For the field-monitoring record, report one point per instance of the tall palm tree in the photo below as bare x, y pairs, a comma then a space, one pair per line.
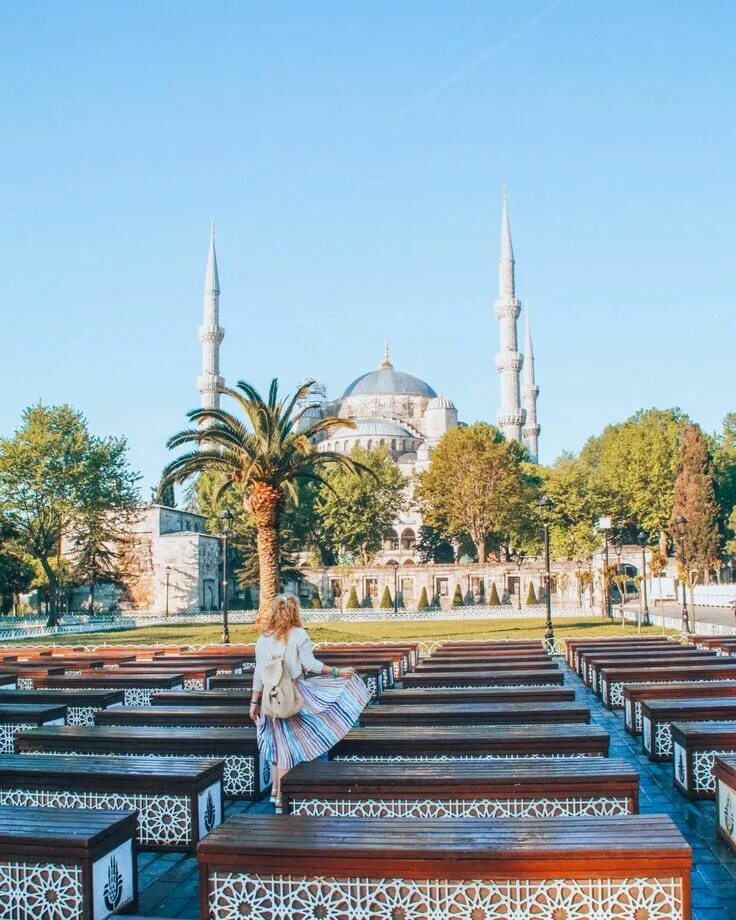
266, 458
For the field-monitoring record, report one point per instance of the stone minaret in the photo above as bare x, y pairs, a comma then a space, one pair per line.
211, 334
509, 360
530, 392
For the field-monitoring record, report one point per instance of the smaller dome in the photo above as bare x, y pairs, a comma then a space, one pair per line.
373, 427
441, 402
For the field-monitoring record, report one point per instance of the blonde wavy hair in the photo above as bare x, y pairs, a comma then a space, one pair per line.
285, 615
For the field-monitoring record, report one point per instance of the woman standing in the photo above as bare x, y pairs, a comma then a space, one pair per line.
332, 702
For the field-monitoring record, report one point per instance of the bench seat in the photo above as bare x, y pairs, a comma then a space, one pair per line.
658, 716
484, 678
7, 681
724, 771
179, 800
493, 664
194, 676
187, 716
464, 789
428, 695
75, 864
594, 665
634, 694
573, 647
246, 776
612, 680
372, 676
475, 714
478, 742
19, 717
80, 704
357, 868
27, 675
695, 745
137, 689
236, 698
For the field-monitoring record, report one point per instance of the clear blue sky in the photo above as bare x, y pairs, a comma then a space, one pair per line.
353, 156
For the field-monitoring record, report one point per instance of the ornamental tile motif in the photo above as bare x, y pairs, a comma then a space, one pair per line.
598, 806
194, 683
162, 819
703, 778
8, 731
40, 890
617, 689
81, 715
134, 697
233, 896
420, 758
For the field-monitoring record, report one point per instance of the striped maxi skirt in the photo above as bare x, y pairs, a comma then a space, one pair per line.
331, 708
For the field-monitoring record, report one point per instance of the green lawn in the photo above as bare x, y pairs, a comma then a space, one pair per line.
359, 632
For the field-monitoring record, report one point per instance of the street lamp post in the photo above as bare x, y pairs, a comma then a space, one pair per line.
579, 566
518, 556
604, 525
168, 575
681, 523
545, 505
643, 540
226, 521
395, 566
618, 548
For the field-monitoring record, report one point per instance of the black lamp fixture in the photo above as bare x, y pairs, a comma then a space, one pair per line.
395, 566
680, 523
545, 506
225, 523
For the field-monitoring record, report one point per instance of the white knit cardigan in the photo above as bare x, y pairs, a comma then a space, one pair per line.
297, 654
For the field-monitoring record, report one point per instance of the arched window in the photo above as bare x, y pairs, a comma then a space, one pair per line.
393, 444
408, 539
370, 444
392, 541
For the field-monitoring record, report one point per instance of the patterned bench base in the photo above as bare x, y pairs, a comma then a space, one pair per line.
661, 746
460, 808
232, 896
419, 758
8, 731
694, 775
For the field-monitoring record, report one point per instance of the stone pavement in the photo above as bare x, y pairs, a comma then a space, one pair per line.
169, 882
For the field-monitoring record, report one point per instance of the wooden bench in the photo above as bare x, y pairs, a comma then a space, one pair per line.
427, 696
634, 694
486, 678
503, 663
179, 800
724, 771
7, 681
355, 868
464, 789
246, 775
224, 663
80, 704
194, 676
27, 675
19, 717
66, 864
594, 664
368, 664
372, 676
480, 660
239, 698
584, 653
474, 714
612, 680
184, 716
658, 716
574, 646
72, 666
695, 745
477, 742
137, 689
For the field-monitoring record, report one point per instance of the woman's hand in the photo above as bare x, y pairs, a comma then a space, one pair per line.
347, 672
254, 712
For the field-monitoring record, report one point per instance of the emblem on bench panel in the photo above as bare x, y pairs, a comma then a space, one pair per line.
210, 809
112, 881
729, 812
113, 891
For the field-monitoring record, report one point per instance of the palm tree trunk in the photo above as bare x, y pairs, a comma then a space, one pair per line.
266, 503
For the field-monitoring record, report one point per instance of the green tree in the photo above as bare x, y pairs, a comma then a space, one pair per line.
568, 484
386, 602
248, 599
267, 454
695, 499
494, 600
16, 577
531, 594
316, 601
457, 597
56, 479
357, 513
474, 485
423, 602
352, 602
724, 467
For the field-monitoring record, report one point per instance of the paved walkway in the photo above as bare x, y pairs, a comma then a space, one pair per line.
169, 883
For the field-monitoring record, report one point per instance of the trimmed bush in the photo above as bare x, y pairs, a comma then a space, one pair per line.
423, 603
248, 599
494, 600
531, 594
386, 602
457, 597
316, 602
368, 602
352, 603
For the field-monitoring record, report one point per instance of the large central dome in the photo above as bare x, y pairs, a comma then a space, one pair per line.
388, 381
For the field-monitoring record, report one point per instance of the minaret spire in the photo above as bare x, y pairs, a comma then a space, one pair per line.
386, 364
530, 392
509, 360
211, 333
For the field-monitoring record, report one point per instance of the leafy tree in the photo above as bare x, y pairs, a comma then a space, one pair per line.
695, 499
16, 577
358, 513
316, 601
724, 466
473, 485
165, 495
248, 599
457, 597
568, 484
494, 600
386, 602
434, 545
266, 456
352, 602
531, 594
423, 602
57, 479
